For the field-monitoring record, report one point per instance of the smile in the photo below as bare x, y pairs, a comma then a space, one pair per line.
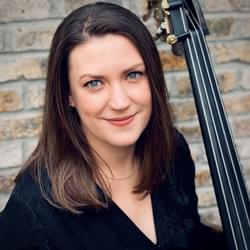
121, 121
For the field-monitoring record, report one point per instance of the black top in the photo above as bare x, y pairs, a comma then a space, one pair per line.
29, 222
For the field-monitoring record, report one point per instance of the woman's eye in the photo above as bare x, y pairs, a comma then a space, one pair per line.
135, 75
93, 84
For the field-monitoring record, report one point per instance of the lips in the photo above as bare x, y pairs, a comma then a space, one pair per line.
121, 121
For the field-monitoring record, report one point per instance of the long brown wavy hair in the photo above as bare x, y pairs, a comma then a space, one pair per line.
63, 151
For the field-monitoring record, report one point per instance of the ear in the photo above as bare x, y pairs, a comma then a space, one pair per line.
71, 102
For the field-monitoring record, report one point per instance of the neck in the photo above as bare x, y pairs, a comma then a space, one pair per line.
119, 169
115, 162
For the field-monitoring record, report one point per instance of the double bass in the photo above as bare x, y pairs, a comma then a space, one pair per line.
181, 23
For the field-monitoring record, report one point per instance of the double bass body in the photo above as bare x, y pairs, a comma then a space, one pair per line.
183, 22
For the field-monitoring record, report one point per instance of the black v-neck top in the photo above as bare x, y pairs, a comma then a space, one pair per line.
30, 222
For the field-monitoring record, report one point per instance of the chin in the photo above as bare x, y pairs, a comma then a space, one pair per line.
126, 142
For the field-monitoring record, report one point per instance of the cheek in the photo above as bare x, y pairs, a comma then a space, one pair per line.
147, 100
148, 96
89, 106
144, 95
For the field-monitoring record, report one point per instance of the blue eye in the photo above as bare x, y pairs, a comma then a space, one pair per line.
93, 84
135, 75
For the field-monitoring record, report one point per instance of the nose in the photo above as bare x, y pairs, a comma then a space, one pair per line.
119, 99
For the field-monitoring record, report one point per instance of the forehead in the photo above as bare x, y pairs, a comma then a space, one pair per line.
111, 49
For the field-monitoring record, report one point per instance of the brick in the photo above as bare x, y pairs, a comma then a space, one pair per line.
184, 110
206, 197
211, 217
10, 100
242, 127
198, 153
246, 167
245, 80
56, 8
23, 10
171, 62
139, 7
29, 146
241, 29
14, 128
22, 66
221, 27
226, 5
1, 41
11, 154
239, 103
74, 4
5, 39
6, 183
191, 131
34, 36
3, 200
248, 184
202, 177
231, 52
228, 27
183, 86
243, 147
171, 85
152, 27
227, 81
35, 96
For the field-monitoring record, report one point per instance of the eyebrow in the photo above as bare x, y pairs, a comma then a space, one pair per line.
132, 67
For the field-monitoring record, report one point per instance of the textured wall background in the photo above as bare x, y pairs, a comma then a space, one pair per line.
26, 29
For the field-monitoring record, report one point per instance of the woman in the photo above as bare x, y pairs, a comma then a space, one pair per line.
109, 171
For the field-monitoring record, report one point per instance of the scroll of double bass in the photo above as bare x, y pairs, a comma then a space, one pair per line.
182, 24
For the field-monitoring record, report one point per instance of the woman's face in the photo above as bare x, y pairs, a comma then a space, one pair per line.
110, 90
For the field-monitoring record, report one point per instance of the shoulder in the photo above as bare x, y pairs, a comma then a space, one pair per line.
179, 186
28, 190
182, 148
19, 219
183, 164
181, 173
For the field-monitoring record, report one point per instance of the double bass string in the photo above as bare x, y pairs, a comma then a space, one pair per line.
229, 130
198, 35
233, 167
217, 99
200, 94
226, 150
205, 115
